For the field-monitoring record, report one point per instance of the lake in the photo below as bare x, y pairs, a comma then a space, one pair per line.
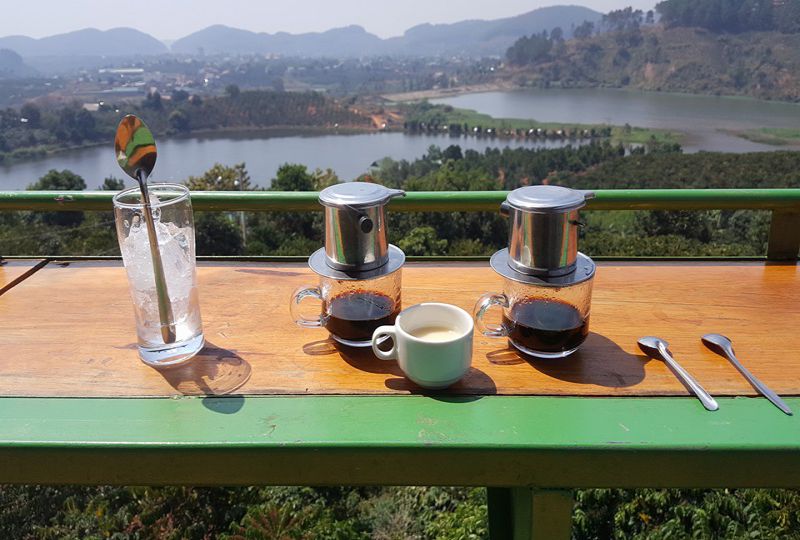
700, 117
348, 155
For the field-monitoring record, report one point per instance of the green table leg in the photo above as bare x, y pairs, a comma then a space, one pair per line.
501, 518
784, 236
529, 514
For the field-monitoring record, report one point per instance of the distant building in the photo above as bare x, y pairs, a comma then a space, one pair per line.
122, 71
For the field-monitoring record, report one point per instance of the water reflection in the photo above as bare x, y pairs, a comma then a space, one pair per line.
348, 155
703, 118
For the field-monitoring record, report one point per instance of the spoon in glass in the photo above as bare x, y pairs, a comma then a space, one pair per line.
723, 346
135, 149
657, 348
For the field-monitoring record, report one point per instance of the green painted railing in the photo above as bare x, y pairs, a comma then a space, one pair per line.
426, 201
784, 238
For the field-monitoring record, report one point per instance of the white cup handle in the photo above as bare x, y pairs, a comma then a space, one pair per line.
381, 332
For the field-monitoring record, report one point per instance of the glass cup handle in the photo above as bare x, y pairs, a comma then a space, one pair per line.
294, 307
381, 332
484, 303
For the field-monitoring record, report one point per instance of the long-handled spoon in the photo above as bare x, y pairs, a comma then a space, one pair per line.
723, 346
136, 153
658, 348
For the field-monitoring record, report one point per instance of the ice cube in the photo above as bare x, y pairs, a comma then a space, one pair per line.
177, 257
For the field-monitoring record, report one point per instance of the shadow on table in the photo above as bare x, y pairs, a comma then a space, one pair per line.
213, 372
360, 358
363, 358
473, 386
599, 361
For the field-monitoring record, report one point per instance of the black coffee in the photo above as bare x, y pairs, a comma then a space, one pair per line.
355, 315
546, 325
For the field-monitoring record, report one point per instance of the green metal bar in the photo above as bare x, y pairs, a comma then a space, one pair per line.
523, 513
541, 514
501, 515
424, 201
503, 441
784, 236
551, 511
409, 258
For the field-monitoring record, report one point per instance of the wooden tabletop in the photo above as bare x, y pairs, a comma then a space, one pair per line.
68, 330
13, 272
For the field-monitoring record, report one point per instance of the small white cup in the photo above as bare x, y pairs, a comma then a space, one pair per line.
431, 363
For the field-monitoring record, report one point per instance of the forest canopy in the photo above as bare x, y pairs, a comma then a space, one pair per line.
733, 16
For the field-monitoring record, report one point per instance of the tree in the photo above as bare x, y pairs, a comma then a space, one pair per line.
529, 50
452, 152
730, 15
584, 30
33, 114
322, 179
179, 96
217, 234
292, 178
112, 183
153, 101
179, 121
557, 34
60, 181
232, 91
621, 20
65, 180
84, 125
222, 178
423, 241
787, 17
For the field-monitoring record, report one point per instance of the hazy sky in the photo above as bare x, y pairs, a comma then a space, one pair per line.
170, 19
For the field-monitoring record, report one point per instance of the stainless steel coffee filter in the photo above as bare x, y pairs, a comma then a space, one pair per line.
543, 234
355, 225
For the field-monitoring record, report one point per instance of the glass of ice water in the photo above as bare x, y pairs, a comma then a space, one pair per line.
172, 214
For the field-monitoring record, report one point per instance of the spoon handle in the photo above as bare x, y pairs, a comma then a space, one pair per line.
761, 387
164, 305
705, 398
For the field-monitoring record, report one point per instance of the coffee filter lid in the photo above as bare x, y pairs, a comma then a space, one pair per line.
357, 195
546, 199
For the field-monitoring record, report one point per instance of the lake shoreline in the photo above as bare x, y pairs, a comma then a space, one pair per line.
440, 93
204, 134
350, 156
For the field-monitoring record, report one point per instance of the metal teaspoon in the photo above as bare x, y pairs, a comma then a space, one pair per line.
723, 346
658, 348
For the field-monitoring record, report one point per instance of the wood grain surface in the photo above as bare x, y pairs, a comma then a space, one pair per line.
68, 330
13, 272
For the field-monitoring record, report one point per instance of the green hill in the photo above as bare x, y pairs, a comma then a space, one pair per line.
764, 65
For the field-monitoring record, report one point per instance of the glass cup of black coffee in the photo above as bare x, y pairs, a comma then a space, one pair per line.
351, 310
541, 321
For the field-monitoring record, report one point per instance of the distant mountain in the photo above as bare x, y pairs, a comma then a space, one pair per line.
488, 37
12, 66
467, 37
347, 41
87, 42
474, 37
